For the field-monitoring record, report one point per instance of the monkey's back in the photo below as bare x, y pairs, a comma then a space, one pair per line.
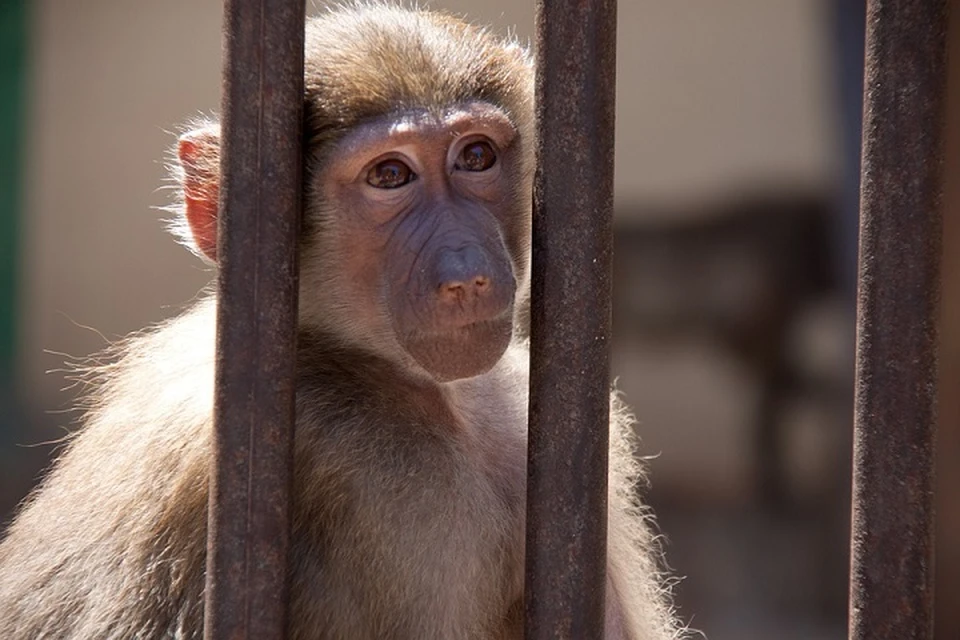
112, 543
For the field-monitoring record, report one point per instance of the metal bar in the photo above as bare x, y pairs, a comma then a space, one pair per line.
570, 320
891, 577
249, 519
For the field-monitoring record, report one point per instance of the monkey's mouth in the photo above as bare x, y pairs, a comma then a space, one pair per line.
461, 352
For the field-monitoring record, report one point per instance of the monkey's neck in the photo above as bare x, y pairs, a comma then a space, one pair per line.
354, 375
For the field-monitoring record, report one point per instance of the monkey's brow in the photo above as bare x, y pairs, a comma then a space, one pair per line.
390, 132
398, 125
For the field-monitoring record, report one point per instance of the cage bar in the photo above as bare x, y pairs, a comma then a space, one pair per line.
570, 320
249, 518
891, 576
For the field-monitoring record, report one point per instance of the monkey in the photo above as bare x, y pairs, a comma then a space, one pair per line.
411, 402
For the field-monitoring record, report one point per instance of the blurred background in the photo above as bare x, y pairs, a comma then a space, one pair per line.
736, 205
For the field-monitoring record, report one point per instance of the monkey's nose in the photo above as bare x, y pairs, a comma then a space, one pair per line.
463, 275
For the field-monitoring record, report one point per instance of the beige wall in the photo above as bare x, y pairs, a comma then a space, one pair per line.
713, 96
110, 80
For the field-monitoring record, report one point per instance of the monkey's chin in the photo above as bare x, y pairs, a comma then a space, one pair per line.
463, 352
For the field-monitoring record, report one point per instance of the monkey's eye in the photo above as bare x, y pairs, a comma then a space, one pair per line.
477, 156
390, 174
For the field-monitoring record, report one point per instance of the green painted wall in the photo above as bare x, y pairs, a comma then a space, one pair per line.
13, 58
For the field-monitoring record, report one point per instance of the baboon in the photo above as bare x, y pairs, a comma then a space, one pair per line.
410, 445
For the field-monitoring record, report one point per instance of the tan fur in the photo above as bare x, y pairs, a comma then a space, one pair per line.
409, 494
399, 60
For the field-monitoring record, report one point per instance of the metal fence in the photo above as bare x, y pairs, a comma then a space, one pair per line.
891, 571
249, 521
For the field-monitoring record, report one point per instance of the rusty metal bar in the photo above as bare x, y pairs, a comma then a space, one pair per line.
249, 519
570, 320
891, 576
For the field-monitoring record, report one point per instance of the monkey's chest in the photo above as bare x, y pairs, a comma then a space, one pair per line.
427, 543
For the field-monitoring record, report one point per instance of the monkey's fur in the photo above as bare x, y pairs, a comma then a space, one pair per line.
409, 482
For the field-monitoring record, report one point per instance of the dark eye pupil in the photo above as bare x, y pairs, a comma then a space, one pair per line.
389, 174
478, 156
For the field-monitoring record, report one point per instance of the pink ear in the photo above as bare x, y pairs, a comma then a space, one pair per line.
199, 154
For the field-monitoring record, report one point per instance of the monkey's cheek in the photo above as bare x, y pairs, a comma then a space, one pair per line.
462, 353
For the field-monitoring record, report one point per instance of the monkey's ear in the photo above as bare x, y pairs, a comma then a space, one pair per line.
199, 155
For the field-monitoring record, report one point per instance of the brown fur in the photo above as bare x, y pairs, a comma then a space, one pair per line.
409, 493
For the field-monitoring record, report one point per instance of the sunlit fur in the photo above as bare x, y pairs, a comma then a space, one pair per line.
412, 494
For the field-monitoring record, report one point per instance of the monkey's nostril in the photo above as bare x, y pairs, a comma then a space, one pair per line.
452, 290
458, 291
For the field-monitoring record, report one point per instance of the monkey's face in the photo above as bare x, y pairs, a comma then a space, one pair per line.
419, 134
416, 212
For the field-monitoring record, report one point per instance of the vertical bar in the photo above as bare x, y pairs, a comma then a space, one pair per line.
570, 320
249, 519
891, 579
947, 587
